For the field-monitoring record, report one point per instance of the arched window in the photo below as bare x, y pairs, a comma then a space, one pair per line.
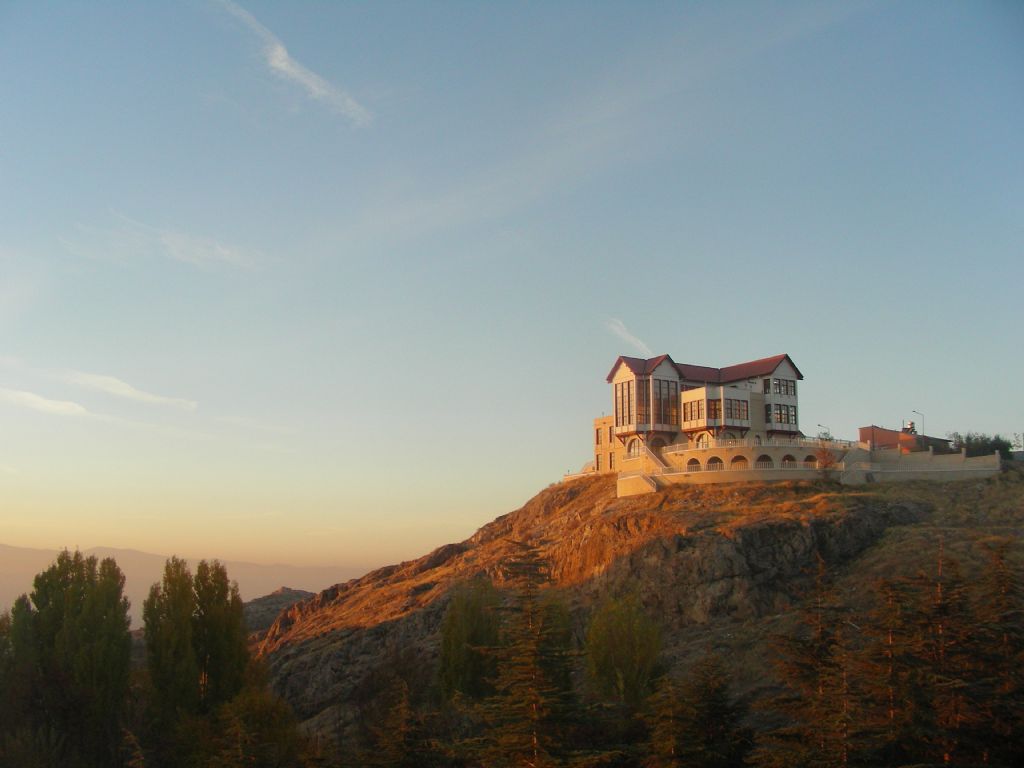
788, 462
693, 465
715, 464
739, 462
703, 440
810, 462
633, 447
764, 461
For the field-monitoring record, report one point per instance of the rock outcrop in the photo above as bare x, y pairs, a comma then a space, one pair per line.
693, 554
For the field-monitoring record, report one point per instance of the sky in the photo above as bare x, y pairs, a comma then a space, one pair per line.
337, 283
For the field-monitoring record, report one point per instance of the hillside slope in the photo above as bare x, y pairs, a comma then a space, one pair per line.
720, 566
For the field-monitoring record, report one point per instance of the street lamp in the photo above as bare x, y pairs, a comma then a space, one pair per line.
922, 421
827, 433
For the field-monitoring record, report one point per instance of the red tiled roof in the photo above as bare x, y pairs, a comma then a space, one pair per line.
763, 367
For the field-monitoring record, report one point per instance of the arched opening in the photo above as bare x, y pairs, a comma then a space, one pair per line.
693, 465
757, 439
788, 462
764, 461
739, 462
657, 444
633, 447
715, 464
810, 462
703, 440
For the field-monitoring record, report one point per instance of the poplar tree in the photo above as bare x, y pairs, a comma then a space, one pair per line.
468, 632
218, 635
169, 614
195, 638
67, 661
622, 648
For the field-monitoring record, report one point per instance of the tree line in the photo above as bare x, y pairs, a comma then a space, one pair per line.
929, 674
70, 695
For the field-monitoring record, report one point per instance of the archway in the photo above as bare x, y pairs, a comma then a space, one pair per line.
739, 462
788, 462
693, 465
633, 447
764, 461
810, 462
715, 464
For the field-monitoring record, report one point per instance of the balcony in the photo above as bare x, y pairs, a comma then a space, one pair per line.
635, 429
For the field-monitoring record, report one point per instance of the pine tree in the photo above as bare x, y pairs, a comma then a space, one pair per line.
664, 718
820, 702
943, 690
519, 731
711, 734
889, 670
1000, 637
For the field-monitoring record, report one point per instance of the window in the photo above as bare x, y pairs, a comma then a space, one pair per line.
597, 436
783, 414
597, 462
767, 413
666, 402
736, 409
624, 403
703, 441
633, 447
714, 409
767, 386
643, 402
693, 410
610, 434
611, 461
782, 386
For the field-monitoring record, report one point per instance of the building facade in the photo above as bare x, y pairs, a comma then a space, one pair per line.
674, 423
658, 403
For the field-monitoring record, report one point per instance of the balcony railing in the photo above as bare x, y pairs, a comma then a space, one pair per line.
774, 442
800, 467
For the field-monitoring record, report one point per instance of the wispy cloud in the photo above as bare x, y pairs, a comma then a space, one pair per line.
283, 65
619, 328
42, 404
114, 386
129, 239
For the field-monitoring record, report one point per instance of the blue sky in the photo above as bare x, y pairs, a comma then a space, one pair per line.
340, 282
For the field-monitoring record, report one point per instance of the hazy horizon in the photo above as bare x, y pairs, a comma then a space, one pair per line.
20, 565
331, 282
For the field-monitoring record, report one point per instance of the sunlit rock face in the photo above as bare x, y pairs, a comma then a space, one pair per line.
694, 555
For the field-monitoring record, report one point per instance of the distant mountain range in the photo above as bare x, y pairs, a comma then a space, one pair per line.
19, 566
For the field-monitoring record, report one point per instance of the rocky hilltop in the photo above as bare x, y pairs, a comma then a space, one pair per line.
719, 565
